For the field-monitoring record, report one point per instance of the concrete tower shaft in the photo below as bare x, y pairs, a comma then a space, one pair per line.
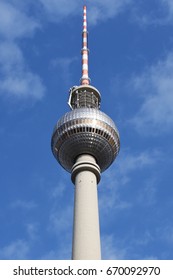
86, 230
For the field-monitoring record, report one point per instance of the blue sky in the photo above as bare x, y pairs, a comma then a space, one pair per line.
131, 64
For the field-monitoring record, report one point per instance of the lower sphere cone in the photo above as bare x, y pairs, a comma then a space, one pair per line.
85, 131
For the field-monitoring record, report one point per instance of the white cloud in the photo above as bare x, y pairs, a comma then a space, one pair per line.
98, 10
10, 57
16, 250
156, 86
128, 163
165, 233
159, 13
64, 64
169, 235
58, 191
144, 239
16, 79
148, 196
60, 220
110, 250
56, 10
168, 4
110, 194
63, 252
28, 205
60, 224
120, 176
14, 23
32, 231
23, 85
131, 162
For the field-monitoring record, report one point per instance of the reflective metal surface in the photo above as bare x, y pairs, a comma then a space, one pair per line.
85, 131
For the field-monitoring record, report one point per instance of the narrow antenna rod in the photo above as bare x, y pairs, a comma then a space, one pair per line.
85, 80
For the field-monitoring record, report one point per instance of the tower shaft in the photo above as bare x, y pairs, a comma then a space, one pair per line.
86, 230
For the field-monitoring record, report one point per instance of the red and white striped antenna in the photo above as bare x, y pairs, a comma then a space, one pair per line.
85, 80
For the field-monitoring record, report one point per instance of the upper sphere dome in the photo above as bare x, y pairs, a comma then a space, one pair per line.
85, 131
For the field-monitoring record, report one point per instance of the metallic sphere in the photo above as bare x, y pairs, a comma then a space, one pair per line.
85, 131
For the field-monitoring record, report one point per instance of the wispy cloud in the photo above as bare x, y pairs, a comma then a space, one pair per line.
121, 174
110, 249
101, 10
59, 220
27, 205
63, 252
165, 233
60, 225
58, 191
64, 65
32, 230
17, 250
98, 10
17, 79
155, 235
15, 23
168, 5
155, 85
144, 239
157, 13
57, 10
22, 248
130, 162
148, 196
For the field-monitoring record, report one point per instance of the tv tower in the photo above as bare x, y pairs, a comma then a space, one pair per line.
85, 142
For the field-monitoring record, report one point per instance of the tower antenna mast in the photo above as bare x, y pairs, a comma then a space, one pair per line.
85, 80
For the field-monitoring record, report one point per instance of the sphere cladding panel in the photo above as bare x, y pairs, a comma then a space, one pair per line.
85, 131
86, 113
